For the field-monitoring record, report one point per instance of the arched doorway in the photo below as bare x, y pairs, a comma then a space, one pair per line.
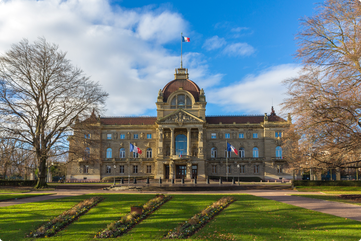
181, 145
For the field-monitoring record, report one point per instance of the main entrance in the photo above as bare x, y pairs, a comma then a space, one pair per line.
181, 171
194, 171
181, 145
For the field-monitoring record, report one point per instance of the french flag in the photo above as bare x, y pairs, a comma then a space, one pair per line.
185, 39
134, 148
231, 148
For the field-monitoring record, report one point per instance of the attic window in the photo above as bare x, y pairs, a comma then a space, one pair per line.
181, 101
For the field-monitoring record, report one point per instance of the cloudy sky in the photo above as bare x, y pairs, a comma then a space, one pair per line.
240, 51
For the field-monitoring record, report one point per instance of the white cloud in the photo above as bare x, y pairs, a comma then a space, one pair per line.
238, 49
214, 43
254, 94
120, 48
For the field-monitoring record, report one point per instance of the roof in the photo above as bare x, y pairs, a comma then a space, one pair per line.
128, 120
240, 119
186, 84
209, 120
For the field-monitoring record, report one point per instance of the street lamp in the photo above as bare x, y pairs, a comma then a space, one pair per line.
239, 171
115, 167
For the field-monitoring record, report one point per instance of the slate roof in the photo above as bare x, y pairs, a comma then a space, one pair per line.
186, 84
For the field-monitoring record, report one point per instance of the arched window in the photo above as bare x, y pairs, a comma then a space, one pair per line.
149, 153
241, 153
122, 153
213, 152
279, 152
87, 152
109, 153
255, 152
181, 101
181, 145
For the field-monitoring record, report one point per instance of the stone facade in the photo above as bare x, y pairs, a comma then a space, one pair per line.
182, 142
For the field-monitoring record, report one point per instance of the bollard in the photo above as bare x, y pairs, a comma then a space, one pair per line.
147, 180
207, 181
233, 181
172, 180
195, 180
160, 180
182, 180
135, 181
220, 180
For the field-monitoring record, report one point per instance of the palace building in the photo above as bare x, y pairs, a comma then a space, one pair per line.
182, 142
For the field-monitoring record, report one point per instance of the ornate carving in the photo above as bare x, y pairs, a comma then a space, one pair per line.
201, 150
141, 135
248, 135
180, 118
160, 150
278, 142
160, 133
234, 135
200, 135
128, 135
121, 144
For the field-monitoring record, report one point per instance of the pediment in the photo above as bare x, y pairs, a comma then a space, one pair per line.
180, 117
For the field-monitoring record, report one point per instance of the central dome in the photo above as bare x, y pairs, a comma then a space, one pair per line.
181, 81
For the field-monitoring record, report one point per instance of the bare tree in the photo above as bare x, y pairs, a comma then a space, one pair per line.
41, 96
325, 100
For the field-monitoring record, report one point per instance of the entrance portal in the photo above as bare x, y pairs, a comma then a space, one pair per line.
181, 171
194, 171
166, 171
181, 145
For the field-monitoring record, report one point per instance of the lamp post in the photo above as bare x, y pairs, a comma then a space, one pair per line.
239, 171
115, 167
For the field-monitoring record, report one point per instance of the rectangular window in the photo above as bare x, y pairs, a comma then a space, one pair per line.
278, 134
227, 136
242, 169
109, 136
135, 154
255, 135
214, 168
122, 136
135, 169
227, 153
135, 136
229, 169
214, 135
109, 169
256, 169
149, 136
279, 169
121, 169
85, 169
149, 169
87, 136
240, 135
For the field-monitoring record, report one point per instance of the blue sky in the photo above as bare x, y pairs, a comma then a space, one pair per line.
240, 51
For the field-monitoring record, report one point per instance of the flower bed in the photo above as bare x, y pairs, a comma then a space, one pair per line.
64, 219
190, 226
123, 225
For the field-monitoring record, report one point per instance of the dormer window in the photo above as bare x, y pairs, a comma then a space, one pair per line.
181, 101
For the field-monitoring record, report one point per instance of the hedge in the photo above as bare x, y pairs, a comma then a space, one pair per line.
28, 183
327, 183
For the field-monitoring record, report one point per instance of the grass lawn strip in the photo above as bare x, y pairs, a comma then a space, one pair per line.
327, 189
56, 224
8, 197
198, 221
128, 221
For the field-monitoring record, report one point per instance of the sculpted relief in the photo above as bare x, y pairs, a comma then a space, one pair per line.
180, 118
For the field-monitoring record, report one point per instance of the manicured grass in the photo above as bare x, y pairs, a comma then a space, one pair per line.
248, 218
327, 189
334, 198
13, 190
17, 196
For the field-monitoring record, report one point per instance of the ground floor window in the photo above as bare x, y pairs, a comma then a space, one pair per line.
229, 169
256, 169
109, 169
121, 169
135, 169
214, 168
242, 169
149, 169
85, 169
279, 168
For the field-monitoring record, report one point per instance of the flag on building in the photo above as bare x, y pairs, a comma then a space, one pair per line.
180, 154
134, 148
231, 148
185, 39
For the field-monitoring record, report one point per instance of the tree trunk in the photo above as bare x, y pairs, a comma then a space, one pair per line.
42, 174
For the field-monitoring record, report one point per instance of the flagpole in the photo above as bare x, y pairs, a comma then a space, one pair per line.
181, 50
226, 161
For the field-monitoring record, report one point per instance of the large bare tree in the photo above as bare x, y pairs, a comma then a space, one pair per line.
325, 100
41, 96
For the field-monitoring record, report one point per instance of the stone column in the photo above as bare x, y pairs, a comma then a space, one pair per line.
160, 142
189, 170
171, 142
171, 169
188, 141
200, 143
338, 174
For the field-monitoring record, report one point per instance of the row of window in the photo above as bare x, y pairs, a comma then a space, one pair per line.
241, 135
242, 153
121, 169
122, 136
109, 153
242, 169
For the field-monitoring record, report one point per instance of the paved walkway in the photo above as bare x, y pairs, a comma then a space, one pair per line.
334, 208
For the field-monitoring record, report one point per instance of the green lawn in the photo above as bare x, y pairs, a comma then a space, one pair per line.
249, 218
23, 189
327, 189
13, 196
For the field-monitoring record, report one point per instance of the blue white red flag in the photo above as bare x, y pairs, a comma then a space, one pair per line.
185, 39
134, 148
180, 154
231, 148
